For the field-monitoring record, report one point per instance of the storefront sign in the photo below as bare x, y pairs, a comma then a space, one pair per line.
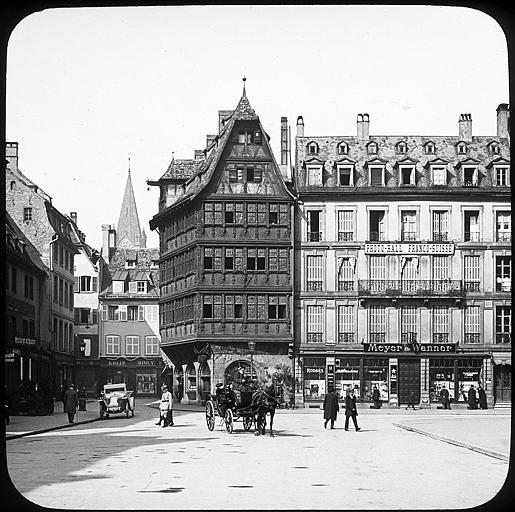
145, 362
117, 362
9, 358
409, 248
314, 373
24, 341
393, 379
415, 348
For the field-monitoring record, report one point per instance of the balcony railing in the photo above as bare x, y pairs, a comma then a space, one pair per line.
440, 337
314, 236
472, 236
314, 337
472, 337
314, 286
377, 236
471, 286
408, 337
408, 236
345, 337
503, 237
377, 337
410, 287
345, 236
503, 337
345, 286
470, 184
440, 237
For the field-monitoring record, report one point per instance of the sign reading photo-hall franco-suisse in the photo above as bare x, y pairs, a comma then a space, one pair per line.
412, 348
414, 248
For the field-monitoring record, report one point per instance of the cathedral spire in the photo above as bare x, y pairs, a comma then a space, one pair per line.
129, 231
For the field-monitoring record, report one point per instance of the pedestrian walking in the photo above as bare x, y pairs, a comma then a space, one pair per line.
350, 409
411, 400
82, 398
376, 398
70, 402
482, 397
472, 400
331, 407
165, 407
444, 398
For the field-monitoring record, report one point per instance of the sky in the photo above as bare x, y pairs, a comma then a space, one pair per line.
90, 88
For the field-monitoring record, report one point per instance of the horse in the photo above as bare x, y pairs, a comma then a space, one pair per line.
264, 402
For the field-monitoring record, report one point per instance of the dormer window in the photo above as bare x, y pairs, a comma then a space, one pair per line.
254, 174
27, 214
493, 147
371, 148
429, 148
154, 264
314, 175
345, 176
130, 264
138, 287
312, 148
401, 148
343, 148
256, 137
461, 148
244, 137
407, 175
118, 286
438, 175
376, 176
502, 176
470, 176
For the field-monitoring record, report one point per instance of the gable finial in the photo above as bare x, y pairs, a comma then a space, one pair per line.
244, 80
129, 158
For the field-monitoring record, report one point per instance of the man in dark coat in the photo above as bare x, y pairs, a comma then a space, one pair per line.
70, 402
350, 409
331, 407
472, 400
482, 397
444, 398
376, 398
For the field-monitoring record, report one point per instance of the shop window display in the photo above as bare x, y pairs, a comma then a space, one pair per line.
146, 383
376, 374
469, 373
347, 376
314, 378
441, 373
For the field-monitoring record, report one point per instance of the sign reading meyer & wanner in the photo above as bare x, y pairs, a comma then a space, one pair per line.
409, 347
408, 248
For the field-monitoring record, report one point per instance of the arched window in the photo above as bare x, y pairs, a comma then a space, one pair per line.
204, 373
312, 148
236, 372
191, 383
493, 147
461, 148
372, 148
343, 148
401, 148
13, 185
429, 148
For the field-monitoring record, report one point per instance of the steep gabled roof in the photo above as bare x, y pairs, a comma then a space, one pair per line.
182, 169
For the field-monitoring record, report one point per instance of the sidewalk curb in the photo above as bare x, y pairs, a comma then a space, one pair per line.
49, 429
483, 451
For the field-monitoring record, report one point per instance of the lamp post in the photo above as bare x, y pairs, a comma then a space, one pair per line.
252, 346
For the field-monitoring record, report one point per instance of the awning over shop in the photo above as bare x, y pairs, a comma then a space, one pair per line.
501, 358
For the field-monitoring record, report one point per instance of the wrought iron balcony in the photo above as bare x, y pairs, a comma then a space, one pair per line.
472, 337
314, 337
440, 337
314, 286
472, 236
377, 337
345, 337
470, 184
345, 286
503, 237
314, 236
421, 288
440, 236
471, 286
503, 337
408, 236
345, 236
408, 337
377, 236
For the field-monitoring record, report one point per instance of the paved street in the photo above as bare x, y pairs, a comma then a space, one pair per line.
131, 463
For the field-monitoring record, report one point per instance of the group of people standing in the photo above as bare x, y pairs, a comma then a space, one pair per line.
473, 400
331, 408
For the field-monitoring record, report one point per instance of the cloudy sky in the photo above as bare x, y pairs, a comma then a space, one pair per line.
87, 87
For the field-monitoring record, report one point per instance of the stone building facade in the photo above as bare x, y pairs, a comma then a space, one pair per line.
403, 263
226, 282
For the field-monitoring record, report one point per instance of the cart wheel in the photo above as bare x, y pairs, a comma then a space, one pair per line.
247, 423
228, 421
210, 415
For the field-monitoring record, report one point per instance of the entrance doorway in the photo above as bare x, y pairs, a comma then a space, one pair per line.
502, 378
409, 380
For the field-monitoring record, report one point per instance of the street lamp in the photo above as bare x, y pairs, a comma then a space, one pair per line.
252, 346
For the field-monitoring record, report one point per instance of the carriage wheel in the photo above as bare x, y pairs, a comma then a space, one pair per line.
247, 423
228, 421
210, 415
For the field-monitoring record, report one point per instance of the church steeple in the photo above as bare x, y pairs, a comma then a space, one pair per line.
129, 233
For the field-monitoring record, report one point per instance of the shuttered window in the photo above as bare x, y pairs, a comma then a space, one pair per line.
472, 324
314, 273
408, 225
440, 318
315, 324
440, 267
440, 226
409, 322
471, 273
345, 324
377, 323
346, 273
345, 225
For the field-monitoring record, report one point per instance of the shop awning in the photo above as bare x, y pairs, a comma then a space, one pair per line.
501, 358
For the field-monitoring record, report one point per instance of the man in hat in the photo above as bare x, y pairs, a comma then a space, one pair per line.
70, 402
444, 397
165, 407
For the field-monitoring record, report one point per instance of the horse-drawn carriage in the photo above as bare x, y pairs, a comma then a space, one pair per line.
249, 406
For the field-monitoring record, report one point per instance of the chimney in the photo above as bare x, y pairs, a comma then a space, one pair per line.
73, 216
363, 127
503, 121
284, 140
359, 123
11, 154
199, 154
209, 140
223, 115
108, 241
465, 127
300, 126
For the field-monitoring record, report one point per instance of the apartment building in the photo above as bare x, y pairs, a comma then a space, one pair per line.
403, 264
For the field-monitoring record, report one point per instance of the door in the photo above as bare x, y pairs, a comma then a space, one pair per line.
409, 380
502, 374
